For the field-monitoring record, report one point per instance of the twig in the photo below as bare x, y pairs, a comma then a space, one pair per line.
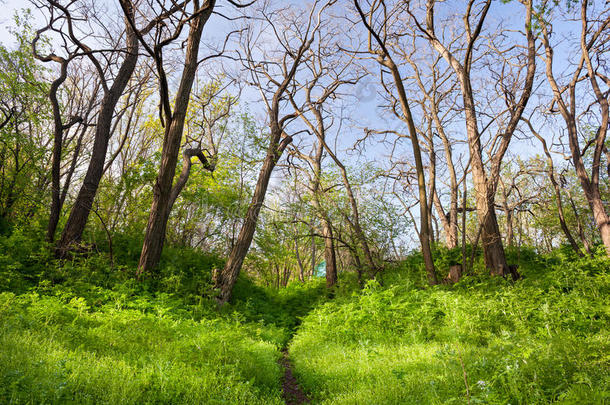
465, 375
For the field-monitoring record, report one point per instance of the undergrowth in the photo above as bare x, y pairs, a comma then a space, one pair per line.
543, 339
85, 331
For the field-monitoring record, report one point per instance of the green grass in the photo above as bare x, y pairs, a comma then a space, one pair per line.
87, 332
55, 350
543, 340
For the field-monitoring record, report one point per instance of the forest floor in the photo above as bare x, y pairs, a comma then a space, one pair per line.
86, 332
291, 391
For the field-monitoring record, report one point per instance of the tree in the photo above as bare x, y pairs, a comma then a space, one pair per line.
274, 79
550, 169
60, 128
164, 195
23, 121
486, 181
567, 99
81, 207
432, 84
317, 190
322, 81
378, 46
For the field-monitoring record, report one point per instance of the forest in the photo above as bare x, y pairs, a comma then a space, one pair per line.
288, 202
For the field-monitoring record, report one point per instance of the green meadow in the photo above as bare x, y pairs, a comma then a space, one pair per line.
88, 332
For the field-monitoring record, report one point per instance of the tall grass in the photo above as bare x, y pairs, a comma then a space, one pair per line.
86, 332
544, 339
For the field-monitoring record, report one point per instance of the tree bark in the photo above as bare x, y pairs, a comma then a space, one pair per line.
581, 233
79, 214
491, 240
313, 254
163, 197
58, 132
57, 195
464, 196
299, 260
452, 236
228, 276
329, 254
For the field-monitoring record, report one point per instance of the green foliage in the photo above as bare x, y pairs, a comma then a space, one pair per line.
24, 259
24, 114
541, 340
284, 308
59, 349
88, 332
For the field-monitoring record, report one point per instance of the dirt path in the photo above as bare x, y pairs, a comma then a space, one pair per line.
290, 388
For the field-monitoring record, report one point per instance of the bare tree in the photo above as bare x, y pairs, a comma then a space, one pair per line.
77, 113
317, 191
378, 45
515, 195
550, 169
438, 111
485, 181
274, 79
587, 72
81, 208
322, 80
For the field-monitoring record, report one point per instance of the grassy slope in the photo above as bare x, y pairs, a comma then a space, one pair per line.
59, 350
88, 333
544, 339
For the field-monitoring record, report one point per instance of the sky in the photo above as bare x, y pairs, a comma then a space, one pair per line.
8, 7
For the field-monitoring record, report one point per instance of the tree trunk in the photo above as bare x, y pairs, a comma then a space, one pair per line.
385, 59
329, 255
455, 273
585, 242
464, 196
602, 220
558, 200
327, 233
299, 260
495, 258
562, 221
452, 231
604, 230
79, 214
448, 220
227, 278
58, 132
510, 235
313, 254
567, 108
424, 233
162, 191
